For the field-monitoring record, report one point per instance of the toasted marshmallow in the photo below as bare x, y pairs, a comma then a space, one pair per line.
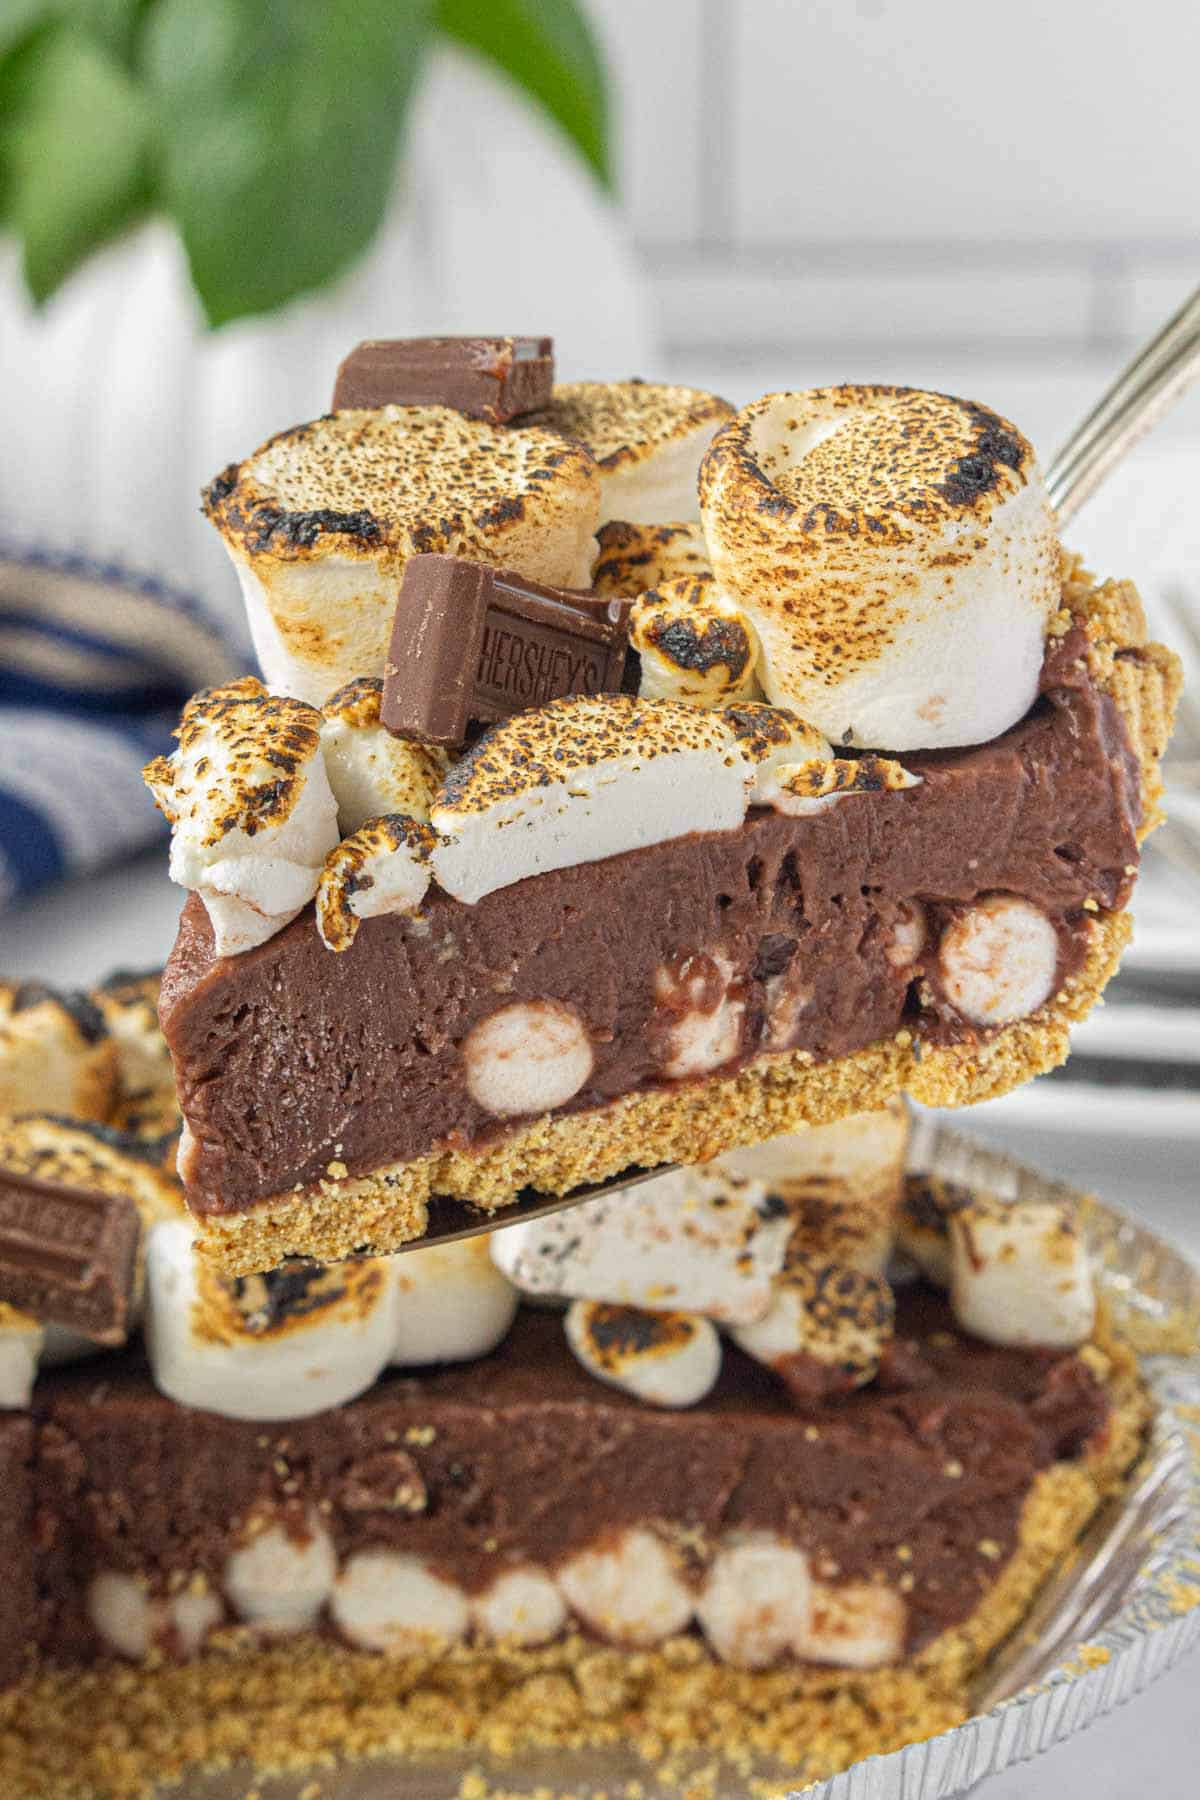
695, 645
998, 960
827, 1328
21, 1339
452, 1304
1020, 1274
521, 1607
82, 1154
898, 555
699, 1240
699, 1011
636, 557
321, 520
578, 780
665, 1358
128, 1004
647, 440
279, 1346
841, 1185
280, 1577
809, 787
756, 1601
56, 1054
383, 868
854, 1626
251, 811
628, 1589
922, 1224
387, 1600
371, 772
527, 1058
770, 738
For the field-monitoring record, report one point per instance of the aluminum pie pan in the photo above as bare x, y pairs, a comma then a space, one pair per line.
1124, 1612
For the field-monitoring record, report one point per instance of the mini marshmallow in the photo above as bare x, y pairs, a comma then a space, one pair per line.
998, 960
857, 1625
634, 558
1020, 1274
371, 772
581, 779
251, 811
898, 555
123, 1613
56, 1054
922, 1224
756, 1600
699, 1013
647, 440
21, 1339
665, 1358
387, 1600
279, 1580
452, 1304
809, 787
770, 738
191, 1614
527, 1058
628, 1589
827, 1328
383, 868
521, 1607
695, 645
699, 1240
321, 520
280, 1346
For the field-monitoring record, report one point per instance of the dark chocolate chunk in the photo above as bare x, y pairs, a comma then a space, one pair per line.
68, 1255
493, 378
471, 645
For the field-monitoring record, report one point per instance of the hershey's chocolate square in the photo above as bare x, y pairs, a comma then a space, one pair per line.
68, 1255
492, 378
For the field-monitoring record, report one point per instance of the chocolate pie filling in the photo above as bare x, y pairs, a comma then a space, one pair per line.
522, 1458
289, 1056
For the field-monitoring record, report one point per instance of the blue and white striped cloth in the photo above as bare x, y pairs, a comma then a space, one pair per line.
95, 664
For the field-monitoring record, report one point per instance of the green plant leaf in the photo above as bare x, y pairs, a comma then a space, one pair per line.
74, 152
18, 18
548, 48
280, 121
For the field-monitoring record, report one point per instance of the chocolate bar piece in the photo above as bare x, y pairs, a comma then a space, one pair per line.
68, 1255
473, 644
493, 378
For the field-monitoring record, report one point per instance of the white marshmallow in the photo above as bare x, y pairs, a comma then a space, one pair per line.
633, 558
280, 1581
664, 1358
647, 440
21, 1340
770, 738
383, 868
799, 789
922, 1224
699, 1015
855, 1626
521, 1607
998, 961
371, 772
320, 522
698, 1240
124, 1614
1020, 1274
387, 1600
829, 1316
251, 811
452, 1304
235, 1347
527, 1058
898, 555
191, 1615
628, 1589
756, 1601
695, 644
578, 780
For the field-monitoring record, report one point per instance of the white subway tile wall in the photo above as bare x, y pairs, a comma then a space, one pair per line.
816, 172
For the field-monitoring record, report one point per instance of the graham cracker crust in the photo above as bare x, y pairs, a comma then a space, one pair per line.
775, 1093
113, 1732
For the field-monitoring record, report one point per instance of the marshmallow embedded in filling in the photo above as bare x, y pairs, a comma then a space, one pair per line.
666, 1358
628, 1589
387, 1600
281, 1576
647, 440
898, 555
756, 1600
998, 960
522, 1607
527, 1058
251, 811
578, 780
320, 521
695, 644
857, 1625
1020, 1274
